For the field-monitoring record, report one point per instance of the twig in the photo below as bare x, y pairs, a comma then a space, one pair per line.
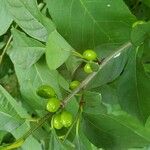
92, 75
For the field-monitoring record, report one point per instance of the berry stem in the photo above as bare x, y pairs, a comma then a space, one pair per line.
75, 53
75, 121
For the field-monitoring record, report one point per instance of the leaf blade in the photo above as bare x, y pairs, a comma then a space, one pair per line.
57, 50
27, 15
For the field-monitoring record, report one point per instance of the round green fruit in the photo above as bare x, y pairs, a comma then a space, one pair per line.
74, 84
46, 91
87, 68
53, 104
66, 119
57, 121
89, 55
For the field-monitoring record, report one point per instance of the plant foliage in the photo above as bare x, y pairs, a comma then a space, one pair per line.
42, 42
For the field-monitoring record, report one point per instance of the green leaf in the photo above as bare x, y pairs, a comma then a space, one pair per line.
21, 130
133, 87
26, 51
109, 93
57, 50
2, 44
30, 79
24, 54
25, 57
5, 65
27, 15
5, 18
2, 135
92, 102
147, 2
72, 64
81, 142
115, 130
9, 122
113, 68
86, 24
147, 69
31, 143
11, 113
63, 83
140, 32
146, 51
55, 143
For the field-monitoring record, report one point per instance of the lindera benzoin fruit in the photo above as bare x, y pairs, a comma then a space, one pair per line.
63, 119
66, 119
87, 68
46, 91
57, 124
53, 104
89, 55
74, 84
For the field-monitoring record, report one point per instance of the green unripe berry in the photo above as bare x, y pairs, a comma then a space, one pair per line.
66, 119
89, 55
53, 104
74, 84
46, 91
87, 68
57, 121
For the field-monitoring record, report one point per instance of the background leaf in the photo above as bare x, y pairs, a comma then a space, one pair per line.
86, 24
5, 66
116, 130
30, 79
147, 2
146, 51
113, 68
55, 143
133, 87
5, 18
81, 142
140, 33
29, 73
32, 143
26, 51
27, 15
92, 102
57, 50
11, 113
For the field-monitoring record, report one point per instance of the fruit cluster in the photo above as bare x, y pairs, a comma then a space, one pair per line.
63, 118
89, 55
59, 119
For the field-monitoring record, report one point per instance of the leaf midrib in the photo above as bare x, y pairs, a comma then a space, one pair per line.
94, 21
